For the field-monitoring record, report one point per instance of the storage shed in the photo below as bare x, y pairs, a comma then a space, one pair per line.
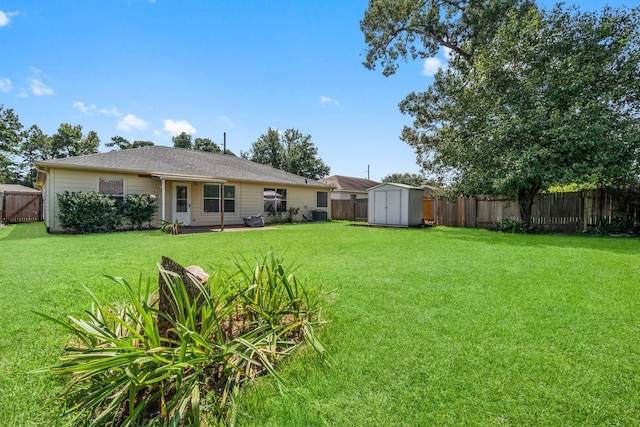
395, 205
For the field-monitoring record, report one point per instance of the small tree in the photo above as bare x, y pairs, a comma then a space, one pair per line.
290, 151
183, 141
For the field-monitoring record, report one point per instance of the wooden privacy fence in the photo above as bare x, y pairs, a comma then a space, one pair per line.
350, 210
560, 212
19, 207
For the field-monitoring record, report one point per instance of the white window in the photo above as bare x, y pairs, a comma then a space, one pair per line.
275, 199
211, 199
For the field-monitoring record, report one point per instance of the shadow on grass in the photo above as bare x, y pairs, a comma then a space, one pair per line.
620, 245
31, 230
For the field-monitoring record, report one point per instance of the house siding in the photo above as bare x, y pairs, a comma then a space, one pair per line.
346, 195
250, 201
73, 181
249, 196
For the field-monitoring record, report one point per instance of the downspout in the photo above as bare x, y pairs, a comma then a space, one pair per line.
47, 216
164, 203
221, 207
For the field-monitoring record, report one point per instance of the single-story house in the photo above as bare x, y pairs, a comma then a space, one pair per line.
396, 205
349, 188
194, 187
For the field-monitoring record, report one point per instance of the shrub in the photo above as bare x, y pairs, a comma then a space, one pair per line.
510, 225
93, 212
134, 364
282, 215
291, 214
139, 208
89, 212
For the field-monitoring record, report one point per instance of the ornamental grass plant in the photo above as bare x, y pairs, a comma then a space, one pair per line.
135, 364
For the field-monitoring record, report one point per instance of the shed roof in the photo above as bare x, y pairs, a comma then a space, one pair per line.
165, 161
349, 183
395, 184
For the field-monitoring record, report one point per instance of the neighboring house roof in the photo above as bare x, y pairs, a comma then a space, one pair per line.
349, 183
176, 162
16, 187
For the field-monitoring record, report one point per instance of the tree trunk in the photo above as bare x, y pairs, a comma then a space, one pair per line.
525, 203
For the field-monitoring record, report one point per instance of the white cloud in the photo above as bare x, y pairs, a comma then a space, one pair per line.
5, 85
227, 121
431, 66
111, 112
448, 53
5, 17
84, 108
177, 127
131, 122
327, 100
38, 88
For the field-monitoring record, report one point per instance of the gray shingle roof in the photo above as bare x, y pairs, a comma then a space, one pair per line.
176, 161
349, 183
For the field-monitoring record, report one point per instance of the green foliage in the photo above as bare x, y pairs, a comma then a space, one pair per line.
282, 215
171, 227
93, 212
571, 188
133, 364
10, 131
396, 30
412, 179
290, 151
10, 138
291, 214
69, 141
139, 208
514, 226
182, 141
89, 212
541, 98
206, 144
121, 143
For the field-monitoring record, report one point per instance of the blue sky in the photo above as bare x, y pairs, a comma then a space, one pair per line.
148, 70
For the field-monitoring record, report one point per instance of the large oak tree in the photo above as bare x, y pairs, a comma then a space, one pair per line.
549, 98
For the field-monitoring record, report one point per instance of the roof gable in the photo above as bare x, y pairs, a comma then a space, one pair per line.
176, 161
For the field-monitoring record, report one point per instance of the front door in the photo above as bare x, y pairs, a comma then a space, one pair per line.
182, 203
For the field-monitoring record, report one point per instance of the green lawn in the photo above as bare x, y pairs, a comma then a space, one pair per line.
435, 326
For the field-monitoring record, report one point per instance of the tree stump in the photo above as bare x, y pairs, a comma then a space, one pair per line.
191, 282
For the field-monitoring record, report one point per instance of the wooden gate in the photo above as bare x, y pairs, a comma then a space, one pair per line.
19, 207
427, 210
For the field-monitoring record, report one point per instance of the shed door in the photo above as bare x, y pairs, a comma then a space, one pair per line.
393, 207
387, 207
